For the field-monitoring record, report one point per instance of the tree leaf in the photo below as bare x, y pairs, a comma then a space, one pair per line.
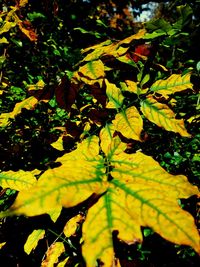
80, 175
129, 123
22, 3
175, 83
72, 225
33, 239
141, 194
52, 255
163, 116
114, 95
19, 180
27, 103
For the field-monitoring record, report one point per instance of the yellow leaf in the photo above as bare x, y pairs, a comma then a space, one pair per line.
92, 70
114, 95
2, 244
72, 225
3, 41
109, 143
175, 83
38, 86
141, 193
194, 118
163, 116
22, 3
58, 144
33, 239
52, 255
112, 49
63, 263
7, 26
80, 175
19, 180
27, 103
129, 123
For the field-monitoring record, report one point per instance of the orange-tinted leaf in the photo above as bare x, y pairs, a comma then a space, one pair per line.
163, 116
52, 255
29, 32
72, 225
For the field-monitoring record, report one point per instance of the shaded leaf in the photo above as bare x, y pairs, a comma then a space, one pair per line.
27, 103
175, 83
129, 123
163, 116
33, 239
52, 255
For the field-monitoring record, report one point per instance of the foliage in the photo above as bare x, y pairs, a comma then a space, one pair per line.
95, 127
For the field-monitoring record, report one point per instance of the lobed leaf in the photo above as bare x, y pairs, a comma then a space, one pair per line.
163, 116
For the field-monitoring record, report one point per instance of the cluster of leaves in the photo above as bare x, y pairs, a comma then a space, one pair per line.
106, 110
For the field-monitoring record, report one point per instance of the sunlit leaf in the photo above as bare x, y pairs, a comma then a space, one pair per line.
163, 116
109, 144
141, 194
19, 180
72, 225
2, 244
63, 263
129, 123
38, 86
80, 175
52, 255
114, 95
28, 103
175, 83
33, 239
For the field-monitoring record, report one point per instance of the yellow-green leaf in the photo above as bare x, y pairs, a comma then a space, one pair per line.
3, 41
175, 83
27, 103
163, 116
80, 175
129, 123
114, 95
2, 244
33, 239
19, 180
141, 194
7, 26
63, 263
52, 255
